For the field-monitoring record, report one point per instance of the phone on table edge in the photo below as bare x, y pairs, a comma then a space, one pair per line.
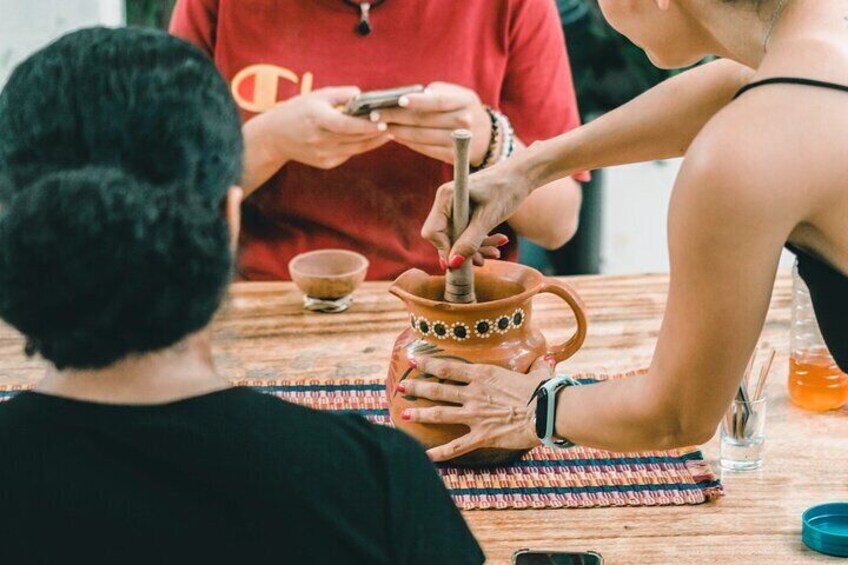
366, 102
544, 557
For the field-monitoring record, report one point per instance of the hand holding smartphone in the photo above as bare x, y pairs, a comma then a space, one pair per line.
367, 102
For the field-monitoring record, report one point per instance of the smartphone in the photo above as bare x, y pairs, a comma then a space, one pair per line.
364, 103
535, 557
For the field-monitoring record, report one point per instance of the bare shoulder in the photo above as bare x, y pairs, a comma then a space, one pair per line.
777, 146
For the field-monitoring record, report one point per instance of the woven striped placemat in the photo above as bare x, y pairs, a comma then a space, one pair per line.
544, 478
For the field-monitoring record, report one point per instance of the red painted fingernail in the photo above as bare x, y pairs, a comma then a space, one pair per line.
504, 240
413, 362
550, 360
405, 415
401, 388
442, 264
456, 261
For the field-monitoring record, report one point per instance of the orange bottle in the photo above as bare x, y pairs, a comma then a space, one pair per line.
815, 381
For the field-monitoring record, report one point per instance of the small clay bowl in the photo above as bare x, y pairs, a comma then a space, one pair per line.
328, 274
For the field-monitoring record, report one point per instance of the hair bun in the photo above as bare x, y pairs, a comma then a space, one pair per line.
96, 264
117, 147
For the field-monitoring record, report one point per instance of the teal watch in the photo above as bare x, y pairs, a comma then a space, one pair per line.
546, 399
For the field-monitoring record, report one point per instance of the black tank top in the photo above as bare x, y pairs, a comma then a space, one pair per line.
828, 286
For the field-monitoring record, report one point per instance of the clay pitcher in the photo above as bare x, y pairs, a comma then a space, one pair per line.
497, 330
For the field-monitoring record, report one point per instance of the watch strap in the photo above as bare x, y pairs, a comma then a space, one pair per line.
546, 410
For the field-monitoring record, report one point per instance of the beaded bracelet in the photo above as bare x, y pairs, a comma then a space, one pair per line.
493, 139
501, 142
508, 136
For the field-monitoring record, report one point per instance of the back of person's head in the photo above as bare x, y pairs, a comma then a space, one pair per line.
117, 149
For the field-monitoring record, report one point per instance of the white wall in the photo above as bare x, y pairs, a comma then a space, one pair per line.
635, 209
27, 25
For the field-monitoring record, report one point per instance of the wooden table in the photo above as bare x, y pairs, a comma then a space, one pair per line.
263, 333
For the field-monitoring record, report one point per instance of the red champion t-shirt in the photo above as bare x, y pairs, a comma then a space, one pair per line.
511, 52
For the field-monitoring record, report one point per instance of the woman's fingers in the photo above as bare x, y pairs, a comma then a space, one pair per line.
444, 154
457, 447
435, 230
495, 240
365, 146
469, 242
329, 119
460, 118
335, 95
489, 249
490, 252
433, 391
341, 141
496, 193
448, 370
436, 415
480, 257
545, 364
436, 99
422, 136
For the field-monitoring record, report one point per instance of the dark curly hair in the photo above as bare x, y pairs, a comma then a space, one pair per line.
117, 147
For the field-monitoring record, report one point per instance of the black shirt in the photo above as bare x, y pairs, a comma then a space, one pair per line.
829, 295
229, 477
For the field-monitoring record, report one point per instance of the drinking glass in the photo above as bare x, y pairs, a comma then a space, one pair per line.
743, 435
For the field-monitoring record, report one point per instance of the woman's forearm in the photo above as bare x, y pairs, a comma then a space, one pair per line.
261, 160
626, 415
659, 124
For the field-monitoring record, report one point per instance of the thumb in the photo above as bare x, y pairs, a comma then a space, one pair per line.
544, 364
336, 95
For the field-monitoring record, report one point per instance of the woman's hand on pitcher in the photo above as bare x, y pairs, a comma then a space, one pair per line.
494, 403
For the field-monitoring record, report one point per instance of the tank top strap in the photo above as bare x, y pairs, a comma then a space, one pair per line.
790, 80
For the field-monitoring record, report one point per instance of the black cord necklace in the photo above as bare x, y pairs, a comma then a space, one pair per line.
364, 26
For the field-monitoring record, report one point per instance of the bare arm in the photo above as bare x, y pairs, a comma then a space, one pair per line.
725, 244
660, 123
739, 197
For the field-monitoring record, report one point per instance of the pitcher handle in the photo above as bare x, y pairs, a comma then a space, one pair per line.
565, 350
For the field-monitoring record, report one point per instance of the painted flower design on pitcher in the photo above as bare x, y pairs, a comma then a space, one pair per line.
483, 328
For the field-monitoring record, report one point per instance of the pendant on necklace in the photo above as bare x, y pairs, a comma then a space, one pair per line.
364, 26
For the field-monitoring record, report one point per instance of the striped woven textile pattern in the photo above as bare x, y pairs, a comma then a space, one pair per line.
544, 478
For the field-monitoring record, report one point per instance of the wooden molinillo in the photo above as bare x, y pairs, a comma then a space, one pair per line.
459, 283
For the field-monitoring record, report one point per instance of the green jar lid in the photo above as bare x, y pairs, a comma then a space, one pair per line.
825, 528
